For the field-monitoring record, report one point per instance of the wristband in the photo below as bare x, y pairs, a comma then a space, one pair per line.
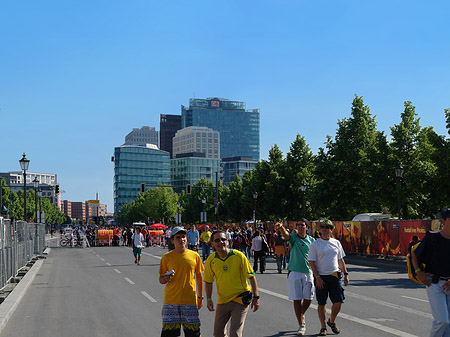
345, 273
317, 276
257, 297
208, 299
416, 270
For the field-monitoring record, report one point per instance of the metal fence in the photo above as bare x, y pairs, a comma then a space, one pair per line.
19, 243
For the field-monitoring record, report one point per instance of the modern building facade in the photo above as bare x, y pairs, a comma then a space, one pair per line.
239, 128
197, 139
142, 136
236, 165
135, 165
168, 126
189, 168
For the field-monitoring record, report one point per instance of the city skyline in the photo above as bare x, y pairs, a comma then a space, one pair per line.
76, 79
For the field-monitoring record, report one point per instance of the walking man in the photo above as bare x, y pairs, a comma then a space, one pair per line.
205, 238
300, 278
193, 238
326, 258
181, 271
138, 244
435, 250
231, 270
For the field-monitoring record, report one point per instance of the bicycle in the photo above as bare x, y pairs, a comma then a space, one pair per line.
70, 242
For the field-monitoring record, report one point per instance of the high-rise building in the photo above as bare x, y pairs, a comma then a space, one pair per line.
142, 136
197, 139
168, 126
189, 168
239, 128
135, 165
236, 165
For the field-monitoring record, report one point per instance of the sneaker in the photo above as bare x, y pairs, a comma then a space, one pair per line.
135, 261
301, 330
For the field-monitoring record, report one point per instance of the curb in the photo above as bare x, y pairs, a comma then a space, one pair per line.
11, 302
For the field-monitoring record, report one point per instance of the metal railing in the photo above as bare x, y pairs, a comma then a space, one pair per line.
19, 243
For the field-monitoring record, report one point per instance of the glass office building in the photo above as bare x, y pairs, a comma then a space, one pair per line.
189, 168
134, 165
236, 165
239, 128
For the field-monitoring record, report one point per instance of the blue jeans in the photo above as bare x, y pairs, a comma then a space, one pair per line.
205, 251
440, 308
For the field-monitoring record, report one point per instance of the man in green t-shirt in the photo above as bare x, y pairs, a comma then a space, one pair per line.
231, 270
300, 279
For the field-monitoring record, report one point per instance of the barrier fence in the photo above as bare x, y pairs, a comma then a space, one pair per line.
19, 243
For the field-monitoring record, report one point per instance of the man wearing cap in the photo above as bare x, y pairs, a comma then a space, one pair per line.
435, 250
300, 279
183, 292
326, 258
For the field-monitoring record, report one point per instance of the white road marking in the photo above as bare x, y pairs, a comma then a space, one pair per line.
151, 299
108, 264
390, 305
129, 281
365, 322
417, 299
102, 259
117, 271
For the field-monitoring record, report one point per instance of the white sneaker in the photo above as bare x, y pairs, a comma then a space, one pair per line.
301, 330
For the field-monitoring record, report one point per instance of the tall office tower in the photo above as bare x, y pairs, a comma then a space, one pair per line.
168, 126
238, 127
135, 165
142, 136
197, 139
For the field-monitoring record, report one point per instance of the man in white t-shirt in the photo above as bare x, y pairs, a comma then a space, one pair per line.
138, 244
326, 258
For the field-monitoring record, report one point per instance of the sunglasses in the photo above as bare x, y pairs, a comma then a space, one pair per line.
221, 239
329, 227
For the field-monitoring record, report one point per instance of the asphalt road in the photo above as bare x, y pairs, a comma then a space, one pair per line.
101, 292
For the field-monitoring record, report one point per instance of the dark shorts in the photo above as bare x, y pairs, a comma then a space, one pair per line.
332, 288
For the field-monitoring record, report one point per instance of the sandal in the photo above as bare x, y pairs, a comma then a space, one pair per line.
333, 327
323, 332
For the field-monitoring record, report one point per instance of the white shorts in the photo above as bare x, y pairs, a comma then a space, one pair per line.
300, 286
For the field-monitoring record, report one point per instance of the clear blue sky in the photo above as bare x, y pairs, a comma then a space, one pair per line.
76, 77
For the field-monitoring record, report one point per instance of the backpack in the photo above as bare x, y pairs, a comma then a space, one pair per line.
423, 259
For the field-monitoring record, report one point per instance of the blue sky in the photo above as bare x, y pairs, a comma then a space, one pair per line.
76, 77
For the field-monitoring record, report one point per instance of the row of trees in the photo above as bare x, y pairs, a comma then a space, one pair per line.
14, 202
353, 173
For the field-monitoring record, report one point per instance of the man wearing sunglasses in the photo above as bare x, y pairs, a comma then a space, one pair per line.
300, 279
326, 258
231, 270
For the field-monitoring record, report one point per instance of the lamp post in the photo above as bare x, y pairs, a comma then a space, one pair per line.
24, 163
255, 197
178, 213
36, 188
40, 211
204, 215
303, 188
399, 174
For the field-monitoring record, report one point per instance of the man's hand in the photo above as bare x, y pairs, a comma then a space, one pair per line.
319, 283
255, 304
199, 303
423, 277
446, 285
210, 305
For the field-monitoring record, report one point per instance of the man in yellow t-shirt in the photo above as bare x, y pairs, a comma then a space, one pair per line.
231, 270
205, 239
181, 299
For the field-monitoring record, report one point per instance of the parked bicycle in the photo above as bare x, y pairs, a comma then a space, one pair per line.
71, 242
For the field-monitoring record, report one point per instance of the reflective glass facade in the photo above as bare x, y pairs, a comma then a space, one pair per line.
134, 165
239, 128
236, 165
189, 170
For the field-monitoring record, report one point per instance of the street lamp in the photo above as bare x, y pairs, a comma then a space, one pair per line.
36, 188
178, 213
303, 188
24, 163
204, 217
399, 174
255, 197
